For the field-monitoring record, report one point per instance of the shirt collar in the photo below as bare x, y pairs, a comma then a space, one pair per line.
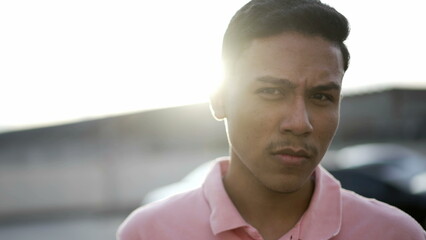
224, 216
322, 220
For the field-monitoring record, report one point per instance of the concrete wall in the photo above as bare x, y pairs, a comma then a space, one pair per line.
393, 115
104, 164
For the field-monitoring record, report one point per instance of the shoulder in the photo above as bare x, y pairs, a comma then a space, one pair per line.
156, 220
374, 218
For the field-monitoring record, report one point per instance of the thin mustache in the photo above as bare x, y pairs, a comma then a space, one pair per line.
279, 145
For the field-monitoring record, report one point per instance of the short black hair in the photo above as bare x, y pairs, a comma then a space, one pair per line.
264, 18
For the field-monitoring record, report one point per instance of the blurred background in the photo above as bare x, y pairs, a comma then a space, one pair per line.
104, 102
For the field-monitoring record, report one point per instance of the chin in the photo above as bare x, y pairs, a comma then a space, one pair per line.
287, 185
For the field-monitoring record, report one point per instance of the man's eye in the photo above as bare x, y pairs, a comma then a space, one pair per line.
322, 97
270, 91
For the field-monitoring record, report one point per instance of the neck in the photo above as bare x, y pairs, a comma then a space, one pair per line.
272, 213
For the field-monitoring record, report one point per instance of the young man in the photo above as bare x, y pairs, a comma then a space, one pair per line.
284, 65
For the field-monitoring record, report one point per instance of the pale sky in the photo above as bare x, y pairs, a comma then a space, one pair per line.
63, 61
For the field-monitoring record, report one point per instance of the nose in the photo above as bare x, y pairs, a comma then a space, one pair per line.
296, 119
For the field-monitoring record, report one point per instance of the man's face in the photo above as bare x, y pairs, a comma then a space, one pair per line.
281, 107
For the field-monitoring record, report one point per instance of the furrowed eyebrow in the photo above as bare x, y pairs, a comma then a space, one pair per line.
277, 81
327, 87
287, 83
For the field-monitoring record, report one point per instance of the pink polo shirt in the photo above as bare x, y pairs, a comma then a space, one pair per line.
207, 213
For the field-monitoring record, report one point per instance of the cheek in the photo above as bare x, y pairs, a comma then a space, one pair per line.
325, 126
246, 125
249, 126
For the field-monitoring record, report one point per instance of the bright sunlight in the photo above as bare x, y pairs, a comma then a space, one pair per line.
64, 61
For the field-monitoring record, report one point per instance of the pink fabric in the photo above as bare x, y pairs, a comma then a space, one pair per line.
207, 213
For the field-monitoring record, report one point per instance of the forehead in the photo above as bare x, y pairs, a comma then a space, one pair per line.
290, 56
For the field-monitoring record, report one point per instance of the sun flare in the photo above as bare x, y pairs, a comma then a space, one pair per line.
66, 61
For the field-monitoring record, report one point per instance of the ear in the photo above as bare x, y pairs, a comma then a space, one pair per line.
217, 104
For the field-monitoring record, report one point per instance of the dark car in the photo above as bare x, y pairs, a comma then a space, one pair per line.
387, 172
